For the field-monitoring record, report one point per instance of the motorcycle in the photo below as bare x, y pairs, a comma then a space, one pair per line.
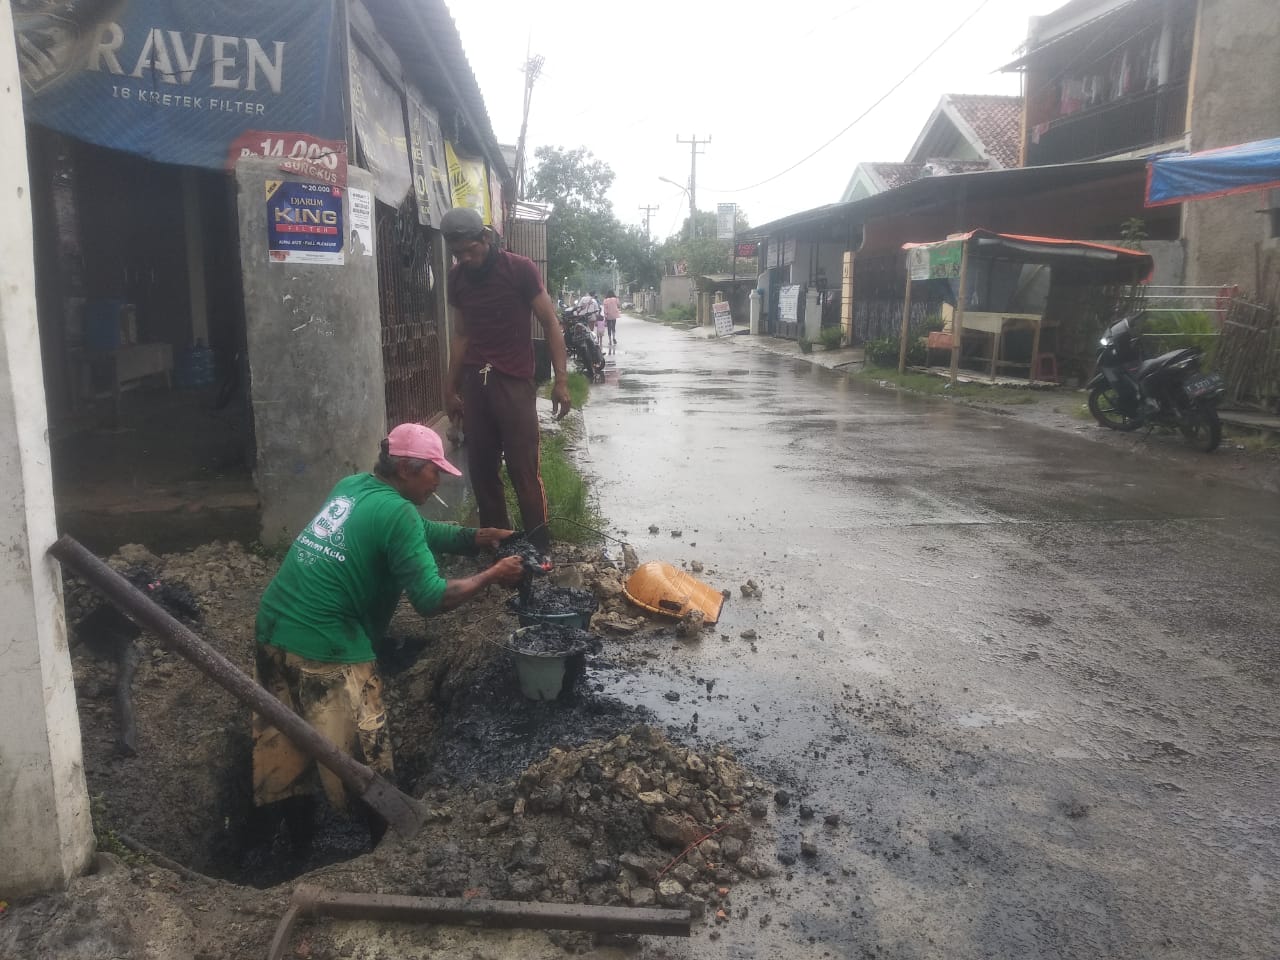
1169, 391
581, 344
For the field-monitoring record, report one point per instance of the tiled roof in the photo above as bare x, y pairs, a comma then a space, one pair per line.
895, 175
996, 120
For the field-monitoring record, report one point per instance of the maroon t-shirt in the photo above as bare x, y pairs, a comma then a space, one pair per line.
497, 311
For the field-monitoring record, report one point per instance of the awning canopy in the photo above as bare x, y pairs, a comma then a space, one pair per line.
1114, 264
1213, 173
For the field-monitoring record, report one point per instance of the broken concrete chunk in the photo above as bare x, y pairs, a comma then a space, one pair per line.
748, 634
696, 566
643, 897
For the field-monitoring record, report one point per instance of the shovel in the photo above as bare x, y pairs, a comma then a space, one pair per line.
404, 814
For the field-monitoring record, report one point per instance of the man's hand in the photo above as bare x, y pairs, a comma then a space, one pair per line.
561, 403
489, 537
508, 571
453, 405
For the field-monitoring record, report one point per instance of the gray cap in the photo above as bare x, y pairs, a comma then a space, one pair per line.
461, 222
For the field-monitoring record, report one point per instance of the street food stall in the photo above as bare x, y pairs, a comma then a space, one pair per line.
997, 283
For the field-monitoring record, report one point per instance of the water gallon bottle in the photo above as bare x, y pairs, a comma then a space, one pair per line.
195, 367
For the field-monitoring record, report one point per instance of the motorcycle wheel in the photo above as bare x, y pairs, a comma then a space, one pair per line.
1104, 404
1202, 428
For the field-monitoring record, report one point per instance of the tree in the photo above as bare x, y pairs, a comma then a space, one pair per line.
706, 255
582, 227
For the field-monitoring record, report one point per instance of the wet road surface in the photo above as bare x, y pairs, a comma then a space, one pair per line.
1036, 678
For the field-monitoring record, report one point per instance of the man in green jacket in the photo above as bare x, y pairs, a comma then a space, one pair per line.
333, 598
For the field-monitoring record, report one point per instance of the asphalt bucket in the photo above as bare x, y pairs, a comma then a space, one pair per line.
541, 675
574, 619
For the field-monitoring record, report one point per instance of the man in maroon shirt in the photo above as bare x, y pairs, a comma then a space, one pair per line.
492, 293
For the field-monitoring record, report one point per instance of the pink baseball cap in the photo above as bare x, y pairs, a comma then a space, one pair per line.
421, 443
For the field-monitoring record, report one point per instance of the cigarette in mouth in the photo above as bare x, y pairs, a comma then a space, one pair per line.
440, 501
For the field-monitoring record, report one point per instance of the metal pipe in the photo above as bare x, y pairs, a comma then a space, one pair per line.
402, 812
312, 901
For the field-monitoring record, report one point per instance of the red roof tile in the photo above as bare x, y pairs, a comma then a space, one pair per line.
996, 120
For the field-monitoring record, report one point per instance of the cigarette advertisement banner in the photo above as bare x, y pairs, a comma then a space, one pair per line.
379, 114
430, 165
467, 182
181, 81
304, 222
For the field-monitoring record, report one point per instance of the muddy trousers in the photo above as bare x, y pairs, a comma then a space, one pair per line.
342, 701
501, 422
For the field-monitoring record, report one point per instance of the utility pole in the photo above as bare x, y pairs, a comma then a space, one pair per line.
647, 210
693, 142
532, 68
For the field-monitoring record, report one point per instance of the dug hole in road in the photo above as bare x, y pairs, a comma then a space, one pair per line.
1002, 692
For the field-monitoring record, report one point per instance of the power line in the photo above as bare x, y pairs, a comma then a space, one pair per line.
885, 96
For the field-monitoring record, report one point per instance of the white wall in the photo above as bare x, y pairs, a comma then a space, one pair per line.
46, 833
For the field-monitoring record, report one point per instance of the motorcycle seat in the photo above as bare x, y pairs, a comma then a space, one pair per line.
1164, 360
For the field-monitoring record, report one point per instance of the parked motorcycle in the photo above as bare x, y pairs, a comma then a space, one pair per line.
1168, 391
581, 344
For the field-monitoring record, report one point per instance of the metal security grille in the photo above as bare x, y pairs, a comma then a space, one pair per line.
412, 356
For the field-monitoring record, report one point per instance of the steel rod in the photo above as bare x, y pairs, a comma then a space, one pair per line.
403, 813
316, 902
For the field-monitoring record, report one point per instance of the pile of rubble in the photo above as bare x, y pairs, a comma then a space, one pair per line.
661, 823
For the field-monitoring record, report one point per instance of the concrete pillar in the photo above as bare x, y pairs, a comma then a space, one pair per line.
193, 232
317, 386
46, 833
812, 315
754, 321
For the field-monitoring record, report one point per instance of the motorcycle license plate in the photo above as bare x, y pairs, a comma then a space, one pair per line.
1205, 385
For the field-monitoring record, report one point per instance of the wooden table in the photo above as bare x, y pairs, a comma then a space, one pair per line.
994, 324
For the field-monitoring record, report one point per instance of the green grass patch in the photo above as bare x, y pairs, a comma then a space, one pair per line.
567, 493
579, 390
941, 386
1077, 411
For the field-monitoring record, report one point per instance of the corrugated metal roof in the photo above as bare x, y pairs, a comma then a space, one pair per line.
425, 38
932, 190
1037, 48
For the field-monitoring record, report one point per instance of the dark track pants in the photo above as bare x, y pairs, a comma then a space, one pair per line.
501, 421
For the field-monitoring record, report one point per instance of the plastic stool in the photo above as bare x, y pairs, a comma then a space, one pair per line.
1045, 368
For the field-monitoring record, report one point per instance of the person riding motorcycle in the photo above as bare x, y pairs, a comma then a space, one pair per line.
587, 307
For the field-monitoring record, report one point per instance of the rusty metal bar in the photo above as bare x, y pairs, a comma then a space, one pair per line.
403, 813
312, 901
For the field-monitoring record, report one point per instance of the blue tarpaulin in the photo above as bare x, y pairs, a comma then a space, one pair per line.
1213, 173
191, 82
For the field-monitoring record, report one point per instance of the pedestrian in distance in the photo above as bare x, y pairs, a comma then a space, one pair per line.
324, 614
490, 384
612, 310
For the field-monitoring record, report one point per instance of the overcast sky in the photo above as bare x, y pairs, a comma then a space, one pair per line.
769, 84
